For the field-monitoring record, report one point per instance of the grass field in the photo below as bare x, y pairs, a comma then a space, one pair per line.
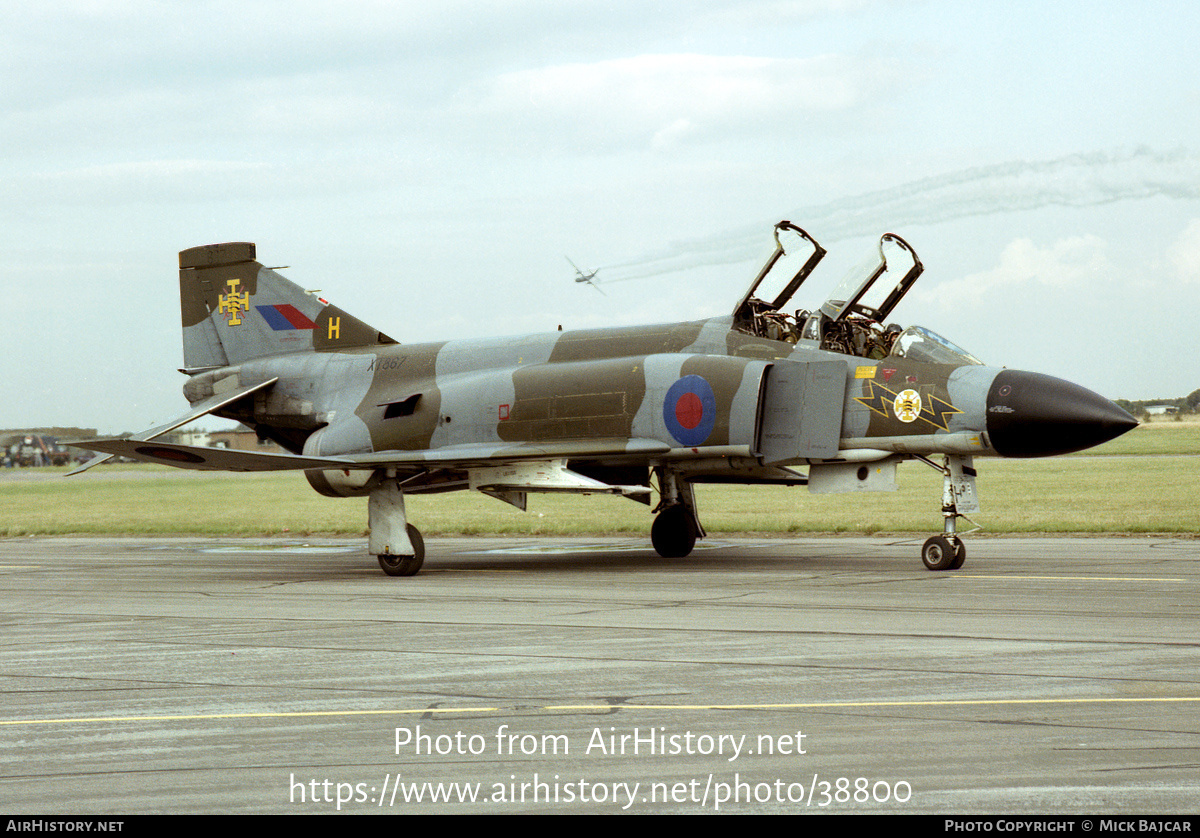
1162, 436
1146, 481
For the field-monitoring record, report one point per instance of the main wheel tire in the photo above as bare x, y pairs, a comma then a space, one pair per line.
673, 532
939, 553
405, 565
960, 554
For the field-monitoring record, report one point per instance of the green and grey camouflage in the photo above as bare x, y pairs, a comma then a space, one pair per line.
833, 398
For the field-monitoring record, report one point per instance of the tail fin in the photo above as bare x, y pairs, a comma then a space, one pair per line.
235, 310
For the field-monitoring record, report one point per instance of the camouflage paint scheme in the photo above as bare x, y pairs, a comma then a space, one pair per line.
584, 411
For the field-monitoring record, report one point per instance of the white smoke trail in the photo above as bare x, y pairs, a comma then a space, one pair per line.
1078, 180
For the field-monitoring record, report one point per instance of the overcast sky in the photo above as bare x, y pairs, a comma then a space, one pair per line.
429, 165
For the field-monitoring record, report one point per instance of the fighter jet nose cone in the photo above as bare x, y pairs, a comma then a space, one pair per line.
1034, 415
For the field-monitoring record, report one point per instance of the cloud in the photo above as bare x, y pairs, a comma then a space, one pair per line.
667, 86
661, 99
1184, 255
187, 180
1076, 262
1078, 180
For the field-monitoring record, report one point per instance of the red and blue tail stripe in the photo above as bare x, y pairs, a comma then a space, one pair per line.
285, 317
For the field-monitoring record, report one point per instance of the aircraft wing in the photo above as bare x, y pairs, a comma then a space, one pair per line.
459, 456
214, 402
211, 459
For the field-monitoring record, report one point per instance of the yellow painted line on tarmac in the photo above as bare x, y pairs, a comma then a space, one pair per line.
826, 705
608, 708
1071, 578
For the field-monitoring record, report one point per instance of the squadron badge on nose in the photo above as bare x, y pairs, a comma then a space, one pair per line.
907, 405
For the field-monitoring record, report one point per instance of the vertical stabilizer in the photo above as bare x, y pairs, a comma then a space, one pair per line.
234, 310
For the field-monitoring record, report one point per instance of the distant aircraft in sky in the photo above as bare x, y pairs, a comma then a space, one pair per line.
580, 276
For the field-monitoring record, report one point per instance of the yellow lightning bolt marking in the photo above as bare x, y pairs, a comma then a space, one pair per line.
933, 410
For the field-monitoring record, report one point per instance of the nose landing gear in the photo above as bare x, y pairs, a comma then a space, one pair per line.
944, 553
947, 551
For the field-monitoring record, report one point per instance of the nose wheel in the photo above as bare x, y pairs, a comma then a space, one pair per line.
944, 553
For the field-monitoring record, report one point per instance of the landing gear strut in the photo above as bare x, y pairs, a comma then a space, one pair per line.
395, 542
947, 551
676, 527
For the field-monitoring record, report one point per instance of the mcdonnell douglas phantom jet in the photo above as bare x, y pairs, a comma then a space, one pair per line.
833, 398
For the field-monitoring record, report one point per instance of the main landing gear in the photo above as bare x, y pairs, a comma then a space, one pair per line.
947, 551
676, 527
397, 543
673, 532
405, 565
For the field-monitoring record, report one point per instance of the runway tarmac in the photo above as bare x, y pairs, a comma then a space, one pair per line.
210, 675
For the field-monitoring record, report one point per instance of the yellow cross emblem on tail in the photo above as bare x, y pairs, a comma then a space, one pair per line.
233, 303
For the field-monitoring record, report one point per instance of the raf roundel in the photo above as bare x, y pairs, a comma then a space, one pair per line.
690, 410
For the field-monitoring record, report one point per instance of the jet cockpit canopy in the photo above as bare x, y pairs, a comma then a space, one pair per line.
916, 343
852, 320
768, 319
